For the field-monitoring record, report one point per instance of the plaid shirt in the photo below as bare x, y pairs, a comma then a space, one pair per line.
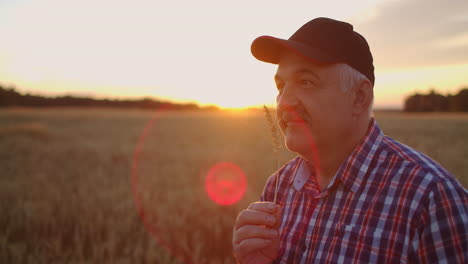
386, 204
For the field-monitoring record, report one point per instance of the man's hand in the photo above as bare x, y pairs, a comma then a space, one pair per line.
256, 236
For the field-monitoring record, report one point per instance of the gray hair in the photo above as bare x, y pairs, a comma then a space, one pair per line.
350, 77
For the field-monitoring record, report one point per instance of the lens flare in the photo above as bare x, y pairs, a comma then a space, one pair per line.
225, 183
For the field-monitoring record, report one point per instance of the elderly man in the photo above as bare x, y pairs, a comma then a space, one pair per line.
352, 195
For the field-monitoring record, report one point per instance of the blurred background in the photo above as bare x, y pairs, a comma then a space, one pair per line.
113, 113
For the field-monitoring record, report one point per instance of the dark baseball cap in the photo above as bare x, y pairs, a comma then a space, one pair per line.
322, 40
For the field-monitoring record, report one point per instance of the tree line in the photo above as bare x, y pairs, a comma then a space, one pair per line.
434, 102
11, 97
431, 102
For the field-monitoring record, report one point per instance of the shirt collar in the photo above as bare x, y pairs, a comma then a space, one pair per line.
303, 174
353, 170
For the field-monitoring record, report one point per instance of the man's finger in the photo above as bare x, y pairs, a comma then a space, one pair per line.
252, 217
266, 207
250, 245
251, 231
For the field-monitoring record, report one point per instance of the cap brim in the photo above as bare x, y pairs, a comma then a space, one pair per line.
269, 49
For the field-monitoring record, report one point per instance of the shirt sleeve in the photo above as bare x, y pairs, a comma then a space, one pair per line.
443, 234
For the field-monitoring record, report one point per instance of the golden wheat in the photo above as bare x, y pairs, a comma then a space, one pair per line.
69, 198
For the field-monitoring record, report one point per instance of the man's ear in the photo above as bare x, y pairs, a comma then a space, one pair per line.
363, 94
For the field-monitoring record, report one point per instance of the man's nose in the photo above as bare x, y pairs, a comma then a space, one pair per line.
286, 100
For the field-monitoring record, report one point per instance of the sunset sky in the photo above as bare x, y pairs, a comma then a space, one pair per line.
199, 51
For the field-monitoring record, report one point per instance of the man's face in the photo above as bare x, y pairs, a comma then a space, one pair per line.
313, 110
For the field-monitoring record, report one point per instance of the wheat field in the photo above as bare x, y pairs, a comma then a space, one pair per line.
127, 186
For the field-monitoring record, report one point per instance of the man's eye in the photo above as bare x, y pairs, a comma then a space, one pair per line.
306, 82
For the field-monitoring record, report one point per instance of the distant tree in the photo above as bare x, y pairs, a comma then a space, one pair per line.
434, 102
413, 103
10, 97
459, 102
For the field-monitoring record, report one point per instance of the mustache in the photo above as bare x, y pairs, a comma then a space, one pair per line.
292, 113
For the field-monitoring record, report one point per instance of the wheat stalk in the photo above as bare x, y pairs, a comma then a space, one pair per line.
275, 140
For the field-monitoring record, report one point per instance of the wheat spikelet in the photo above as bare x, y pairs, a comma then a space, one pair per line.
275, 140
